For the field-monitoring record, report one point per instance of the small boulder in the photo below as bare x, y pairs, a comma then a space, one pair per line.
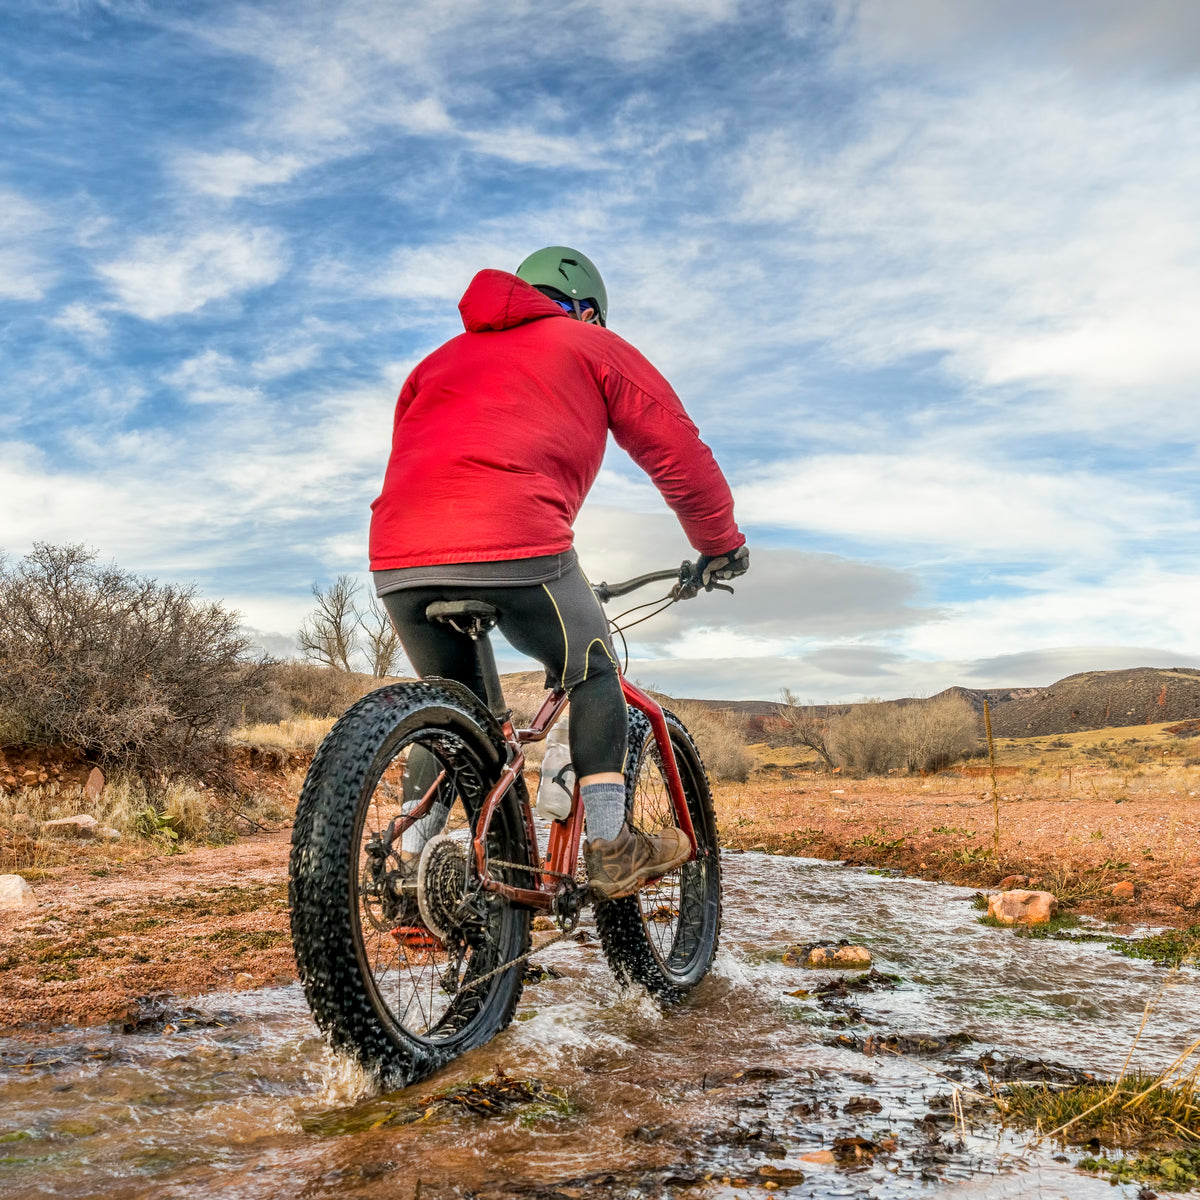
839, 956
243, 981
1022, 908
15, 894
108, 834
1014, 881
81, 826
94, 786
1122, 891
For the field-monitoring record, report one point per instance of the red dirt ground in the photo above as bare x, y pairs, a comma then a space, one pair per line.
113, 926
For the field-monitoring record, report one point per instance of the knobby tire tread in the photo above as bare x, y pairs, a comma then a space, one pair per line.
324, 854
620, 923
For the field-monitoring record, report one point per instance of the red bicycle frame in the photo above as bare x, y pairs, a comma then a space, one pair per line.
563, 850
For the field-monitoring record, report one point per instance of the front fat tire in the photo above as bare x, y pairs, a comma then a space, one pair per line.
324, 866
633, 952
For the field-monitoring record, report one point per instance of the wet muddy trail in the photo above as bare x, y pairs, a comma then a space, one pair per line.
734, 1093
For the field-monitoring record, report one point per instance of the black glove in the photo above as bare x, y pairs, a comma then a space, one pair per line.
711, 567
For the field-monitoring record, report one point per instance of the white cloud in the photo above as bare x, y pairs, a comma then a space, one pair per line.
1096, 34
1136, 603
232, 173
168, 274
212, 378
25, 269
84, 321
1031, 230
966, 508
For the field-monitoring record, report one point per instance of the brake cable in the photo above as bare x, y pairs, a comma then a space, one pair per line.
671, 597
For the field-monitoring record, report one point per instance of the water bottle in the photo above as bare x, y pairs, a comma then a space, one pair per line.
556, 787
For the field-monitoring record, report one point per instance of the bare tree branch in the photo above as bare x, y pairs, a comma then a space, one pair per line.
329, 634
383, 646
806, 726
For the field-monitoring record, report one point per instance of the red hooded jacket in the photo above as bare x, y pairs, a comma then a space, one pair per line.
499, 434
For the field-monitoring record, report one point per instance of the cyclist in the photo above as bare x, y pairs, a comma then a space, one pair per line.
498, 436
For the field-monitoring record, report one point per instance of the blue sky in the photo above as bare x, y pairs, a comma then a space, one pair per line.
923, 271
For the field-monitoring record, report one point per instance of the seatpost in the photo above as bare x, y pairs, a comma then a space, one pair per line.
487, 668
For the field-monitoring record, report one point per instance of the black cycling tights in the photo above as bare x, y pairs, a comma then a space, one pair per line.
561, 624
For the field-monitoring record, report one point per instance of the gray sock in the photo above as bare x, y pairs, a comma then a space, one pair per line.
603, 809
429, 826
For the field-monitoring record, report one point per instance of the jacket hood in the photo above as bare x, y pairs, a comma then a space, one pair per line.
498, 300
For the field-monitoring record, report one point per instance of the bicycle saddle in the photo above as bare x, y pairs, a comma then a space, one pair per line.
450, 611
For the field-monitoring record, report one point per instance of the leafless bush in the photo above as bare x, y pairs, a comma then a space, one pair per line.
138, 675
923, 735
805, 726
934, 733
865, 738
720, 739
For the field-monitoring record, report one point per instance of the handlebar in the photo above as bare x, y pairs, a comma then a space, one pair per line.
687, 584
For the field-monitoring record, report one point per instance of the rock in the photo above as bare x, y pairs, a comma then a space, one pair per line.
1013, 881
15, 894
108, 833
243, 982
779, 1176
24, 823
819, 1156
94, 786
81, 826
1122, 891
839, 956
544, 924
1022, 908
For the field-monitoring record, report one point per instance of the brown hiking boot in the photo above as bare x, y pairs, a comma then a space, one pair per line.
618, 866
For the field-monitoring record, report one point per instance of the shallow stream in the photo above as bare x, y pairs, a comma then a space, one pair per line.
236, 1096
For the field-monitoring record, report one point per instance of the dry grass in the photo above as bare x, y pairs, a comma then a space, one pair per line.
148, 820
296, 733
1153, 1119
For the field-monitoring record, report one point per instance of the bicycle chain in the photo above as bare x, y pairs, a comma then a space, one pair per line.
521, 958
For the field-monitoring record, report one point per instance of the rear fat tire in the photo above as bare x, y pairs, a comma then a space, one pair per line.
634, 953
323, 884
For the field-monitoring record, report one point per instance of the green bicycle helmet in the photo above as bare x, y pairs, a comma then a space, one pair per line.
569, 272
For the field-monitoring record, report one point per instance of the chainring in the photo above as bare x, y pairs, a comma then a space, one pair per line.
442, 886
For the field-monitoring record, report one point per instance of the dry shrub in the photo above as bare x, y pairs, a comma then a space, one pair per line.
302, 689
864, 739
720, 739
140, 676
935, 733
924, 735
192, 813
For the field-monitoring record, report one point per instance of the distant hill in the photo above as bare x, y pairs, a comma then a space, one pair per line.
1101, 700
1089, 700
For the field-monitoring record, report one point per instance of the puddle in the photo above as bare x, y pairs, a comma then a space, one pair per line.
234, 1095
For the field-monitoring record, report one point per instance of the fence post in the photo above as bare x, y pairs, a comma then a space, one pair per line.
987, 724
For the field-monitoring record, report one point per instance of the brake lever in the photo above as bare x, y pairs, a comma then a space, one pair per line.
713, 585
